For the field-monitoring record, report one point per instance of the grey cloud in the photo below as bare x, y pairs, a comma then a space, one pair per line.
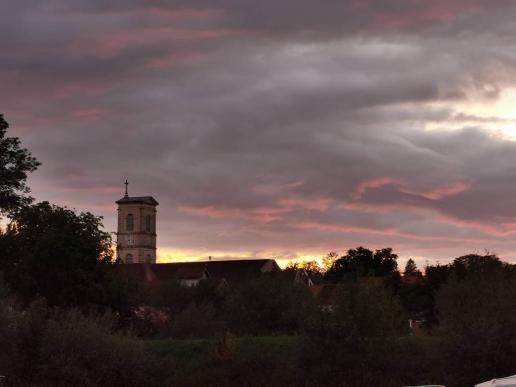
312, 106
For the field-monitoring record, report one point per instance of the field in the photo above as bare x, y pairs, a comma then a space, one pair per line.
248, 361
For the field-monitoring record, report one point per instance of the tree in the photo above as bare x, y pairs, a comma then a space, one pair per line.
477, 320
329, 260
362, 262
268, 304
353, 346
475, 264
54, 347
411, 269
15, 164
60, 255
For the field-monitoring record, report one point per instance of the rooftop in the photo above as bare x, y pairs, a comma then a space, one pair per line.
138, 199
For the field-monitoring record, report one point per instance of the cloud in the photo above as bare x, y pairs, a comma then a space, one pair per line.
261, 129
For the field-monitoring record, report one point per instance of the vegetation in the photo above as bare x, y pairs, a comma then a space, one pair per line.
15, 164
68, 318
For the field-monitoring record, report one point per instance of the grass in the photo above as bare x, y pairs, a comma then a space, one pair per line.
265, 360
270, 361
245, 348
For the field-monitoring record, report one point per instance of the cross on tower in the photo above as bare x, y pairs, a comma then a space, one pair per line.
126, 193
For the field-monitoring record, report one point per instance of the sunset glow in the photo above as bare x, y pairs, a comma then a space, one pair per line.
263, 134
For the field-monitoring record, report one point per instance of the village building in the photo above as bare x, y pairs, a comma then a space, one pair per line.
136, 234
191, 273
136, 248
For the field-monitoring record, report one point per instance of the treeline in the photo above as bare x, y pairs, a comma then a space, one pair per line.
67, 316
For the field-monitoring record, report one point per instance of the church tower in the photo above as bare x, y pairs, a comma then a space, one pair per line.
136, 235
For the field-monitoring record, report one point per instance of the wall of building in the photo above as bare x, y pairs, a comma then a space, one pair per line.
140, 242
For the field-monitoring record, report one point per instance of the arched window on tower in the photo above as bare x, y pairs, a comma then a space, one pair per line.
148, 223
129, 258
129, 225
148, 258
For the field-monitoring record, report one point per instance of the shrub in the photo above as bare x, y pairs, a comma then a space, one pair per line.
43, 347
195, 321
352, 345
477, 317
268, 305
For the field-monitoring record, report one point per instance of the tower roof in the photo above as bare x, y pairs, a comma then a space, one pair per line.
138, 199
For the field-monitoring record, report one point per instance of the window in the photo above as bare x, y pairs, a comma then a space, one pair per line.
148, 223
129, 226
129, 258
148, 258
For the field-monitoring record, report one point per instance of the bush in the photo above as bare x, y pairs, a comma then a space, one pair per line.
477, 317
352, 346
268, 305
43, 347
195, 321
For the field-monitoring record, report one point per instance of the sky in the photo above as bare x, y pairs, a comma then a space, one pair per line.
274, 129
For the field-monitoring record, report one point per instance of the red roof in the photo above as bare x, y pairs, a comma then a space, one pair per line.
326, 294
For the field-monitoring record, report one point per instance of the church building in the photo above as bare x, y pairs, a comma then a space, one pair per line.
136, 235
136, 248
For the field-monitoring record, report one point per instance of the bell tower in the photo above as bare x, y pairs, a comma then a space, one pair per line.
136, 235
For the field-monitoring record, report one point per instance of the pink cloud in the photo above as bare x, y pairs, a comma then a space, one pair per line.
112, 43
296, 184
321, 204
78, 88
499, 229
181, 12
277, 188
431, 12
172, 60
90, 113
392, 232
342, 228
376, 182
260, 215
437, 193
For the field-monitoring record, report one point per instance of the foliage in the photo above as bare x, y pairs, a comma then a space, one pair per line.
411, 269
351, 346
329, 259
63, 256
173, 296
15, 164
475, 264
267, 304
311, 268
257, 361
197, 320
362, 262
477, 317
49, 347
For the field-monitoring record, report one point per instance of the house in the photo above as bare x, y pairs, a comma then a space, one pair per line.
326, 295
191, 273
297, 276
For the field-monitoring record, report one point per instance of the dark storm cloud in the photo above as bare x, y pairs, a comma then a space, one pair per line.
266, 127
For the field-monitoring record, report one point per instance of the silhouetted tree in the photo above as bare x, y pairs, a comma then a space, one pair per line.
362, 262
476, 264
268, 304
352, 346
15, 164
329, 259
411, 269
477, 321
63, 256
312, 269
